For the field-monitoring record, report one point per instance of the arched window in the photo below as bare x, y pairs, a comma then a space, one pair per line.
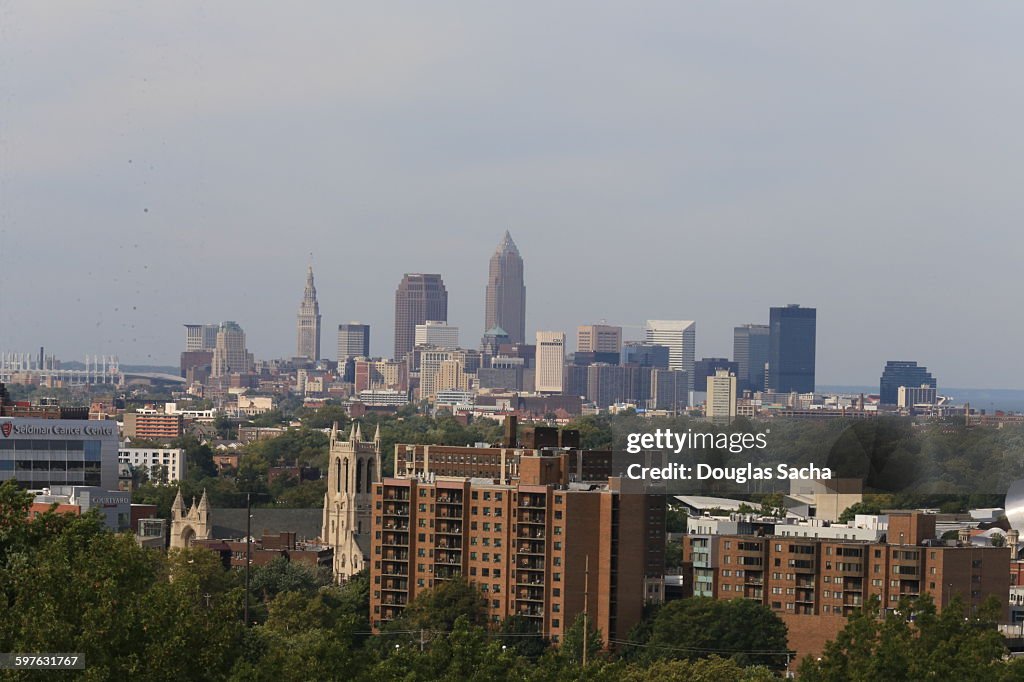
359, 476
337, 475
346, 475
369, 475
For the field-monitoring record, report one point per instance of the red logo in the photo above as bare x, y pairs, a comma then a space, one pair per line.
6, 428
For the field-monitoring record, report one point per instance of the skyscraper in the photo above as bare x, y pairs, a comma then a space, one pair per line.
550, 362
680, 337
721, 402
599, 338
750, 345
434, 333
791, 349
230, 356
902, 373
419, 298
353, 341
308, 323
506, 293
200, 337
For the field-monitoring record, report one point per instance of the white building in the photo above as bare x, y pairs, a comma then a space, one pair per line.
230, 355
438, 334
721, 401
550, 362
680, 337
164, 465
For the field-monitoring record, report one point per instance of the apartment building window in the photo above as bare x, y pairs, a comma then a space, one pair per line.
496, 588
475, 495
497, 573
472, 570
497, 558
726, 588
497, 496
472, 556
789, 606
497, 528
776, 605
473, 510
556, 592
558, 514
422, 537
557, 577
728, 544
876, 583
487, 526
827, 579
487, 495
826, 594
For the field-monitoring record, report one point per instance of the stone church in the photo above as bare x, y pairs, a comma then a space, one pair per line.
353, 467
190, 525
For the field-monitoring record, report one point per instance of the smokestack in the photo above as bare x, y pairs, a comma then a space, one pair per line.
40, 357
511, 431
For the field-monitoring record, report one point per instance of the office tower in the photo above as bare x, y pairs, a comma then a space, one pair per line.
353, 467
644, 354
606, 384
550, 362
668, 390
706, 367
721, 402
902, 373
599, 338
750, 345
431, 364
353, 341
419, 298
506, 293
680, 336
436, 333
308, 322
592, 358
230, 355
791, 349
200, 337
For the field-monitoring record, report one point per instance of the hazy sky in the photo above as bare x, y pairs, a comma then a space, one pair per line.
164, 163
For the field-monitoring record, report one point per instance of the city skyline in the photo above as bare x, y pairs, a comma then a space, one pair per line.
618, 176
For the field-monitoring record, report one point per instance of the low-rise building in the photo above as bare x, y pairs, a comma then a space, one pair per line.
161, 465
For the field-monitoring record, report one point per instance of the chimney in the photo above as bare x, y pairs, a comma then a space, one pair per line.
511, 432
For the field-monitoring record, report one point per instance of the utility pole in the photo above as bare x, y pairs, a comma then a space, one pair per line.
248, 551
423, 639
586, 603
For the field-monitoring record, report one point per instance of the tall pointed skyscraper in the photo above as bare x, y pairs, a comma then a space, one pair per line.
506, 293
308, 325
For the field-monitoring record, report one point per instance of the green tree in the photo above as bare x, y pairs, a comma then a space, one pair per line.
858, 508
697, 627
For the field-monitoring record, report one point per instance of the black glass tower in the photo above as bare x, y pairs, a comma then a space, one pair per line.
792, 332
902, 373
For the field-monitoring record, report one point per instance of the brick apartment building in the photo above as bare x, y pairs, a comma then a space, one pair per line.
523, 527
814, 584
155, 426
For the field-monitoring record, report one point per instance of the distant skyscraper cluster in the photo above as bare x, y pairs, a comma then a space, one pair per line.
660, 371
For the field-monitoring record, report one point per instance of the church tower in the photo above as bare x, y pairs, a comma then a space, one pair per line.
190, 525
353, 467
308, 324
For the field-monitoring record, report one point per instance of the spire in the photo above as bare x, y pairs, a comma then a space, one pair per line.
507, 244
334, 432
204, 502
178, 505
376, 435
358, 433
352, 433
309, 296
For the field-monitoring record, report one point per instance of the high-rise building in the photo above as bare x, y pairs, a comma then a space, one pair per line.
902, 373
506, 520
550, 362
230, 355
353, 341
721, 402
308, 322
419, 298
606, 384
506, 293
680, 336
705, 368
668, 390
644, 354
791, 349
750, 345
200, 337
437, 333
599, 338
